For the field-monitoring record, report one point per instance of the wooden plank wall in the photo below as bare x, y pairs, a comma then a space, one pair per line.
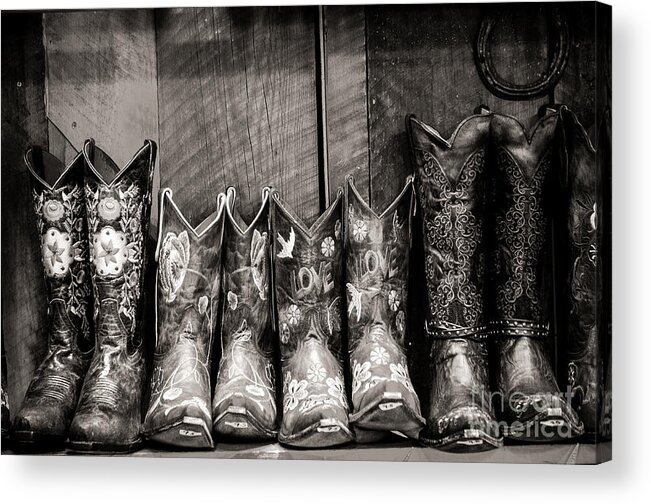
23, 124
232, 95
238, 106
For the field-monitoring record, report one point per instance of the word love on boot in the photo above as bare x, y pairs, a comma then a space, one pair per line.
117, 206
59, 204
584, 275
451, 183
244, 406
377, 266
525, 178
308, 278
187, 304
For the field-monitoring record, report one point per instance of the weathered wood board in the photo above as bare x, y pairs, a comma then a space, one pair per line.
238, 106
101, 81
346, 107
23, 124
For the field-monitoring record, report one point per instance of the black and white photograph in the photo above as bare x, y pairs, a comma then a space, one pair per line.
364, 233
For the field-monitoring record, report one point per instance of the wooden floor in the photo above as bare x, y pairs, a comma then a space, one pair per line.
570, 453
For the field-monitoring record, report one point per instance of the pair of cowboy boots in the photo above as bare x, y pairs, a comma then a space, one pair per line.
486, 193
92, 219
309, 265
198, 267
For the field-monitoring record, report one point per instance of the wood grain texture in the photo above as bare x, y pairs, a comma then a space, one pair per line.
23, 124
420, 60
577, 87
346, 99
238, 106
101, 80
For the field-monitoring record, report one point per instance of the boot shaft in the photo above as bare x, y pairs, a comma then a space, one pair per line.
118, 204
188, 276
58, 199
525, 171
247, 270
451, 183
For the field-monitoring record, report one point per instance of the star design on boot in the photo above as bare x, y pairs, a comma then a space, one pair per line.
56, 251
109, 252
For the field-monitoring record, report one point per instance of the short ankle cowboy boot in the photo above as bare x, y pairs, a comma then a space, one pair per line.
308, 274
450, 183
584, 272
377, 266
58, 197
108, 415
187, 307
525, 169
244, 406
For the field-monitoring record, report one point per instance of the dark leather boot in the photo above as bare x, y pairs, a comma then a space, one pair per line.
5, 412
51, 398
451, 187
187, 307
118, 202
525, 171
244, 406
308, 274
585, 366
377, 268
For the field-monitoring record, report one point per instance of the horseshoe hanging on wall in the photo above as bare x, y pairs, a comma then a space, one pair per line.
508, 90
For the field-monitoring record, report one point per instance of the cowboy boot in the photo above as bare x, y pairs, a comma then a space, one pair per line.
117, 206
377, 268
244, 406
585, 367
52, 395
450, 183
187, 304
308, 268
525, 168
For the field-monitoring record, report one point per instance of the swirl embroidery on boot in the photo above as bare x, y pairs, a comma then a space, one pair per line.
521, 235
453, 234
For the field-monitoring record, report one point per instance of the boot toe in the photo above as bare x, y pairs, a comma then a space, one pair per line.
99, 431
43, 424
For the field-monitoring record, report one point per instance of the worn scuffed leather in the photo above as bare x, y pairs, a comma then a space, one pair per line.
308, 275
52, 395
451, 187
524, 171
118, 201
244, 405
377, 268
188, 279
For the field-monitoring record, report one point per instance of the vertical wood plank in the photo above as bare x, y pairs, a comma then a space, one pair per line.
346, 99
238, 106
23, 124
577, 87
101, 81
420, 60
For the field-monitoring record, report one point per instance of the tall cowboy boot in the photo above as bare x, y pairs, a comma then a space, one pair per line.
187, 307
377, 267
117, 205
244, 406
52, 395
585, 371
308, 269
525, 168
451, 183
